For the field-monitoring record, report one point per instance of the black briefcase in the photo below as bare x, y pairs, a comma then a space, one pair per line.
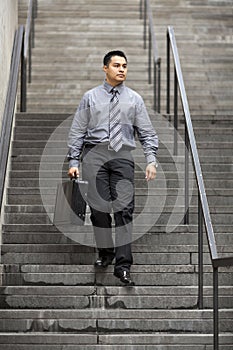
70, 205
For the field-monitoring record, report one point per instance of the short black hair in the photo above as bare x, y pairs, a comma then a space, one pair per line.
110, 54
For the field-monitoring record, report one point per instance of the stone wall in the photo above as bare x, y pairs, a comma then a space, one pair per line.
8, 25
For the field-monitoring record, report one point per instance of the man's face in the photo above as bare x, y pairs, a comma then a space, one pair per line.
116, 71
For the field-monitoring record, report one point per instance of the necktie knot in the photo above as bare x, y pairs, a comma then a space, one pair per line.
114, 93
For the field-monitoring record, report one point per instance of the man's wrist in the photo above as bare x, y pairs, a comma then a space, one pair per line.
153, 163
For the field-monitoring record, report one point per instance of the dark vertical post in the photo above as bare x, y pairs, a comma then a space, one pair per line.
168, 75
35, 7
23, 87
155, 85
149, 57
200, 254
33, 25
159, 85
186, 177
215, 302
175, 112
140, 9
144, 26
30, 58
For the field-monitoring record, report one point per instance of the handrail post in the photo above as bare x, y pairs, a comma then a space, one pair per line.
35, 8
215, 305
149, 57
168, 75
30, 59
144, 25
159, 85
23, 86
33, 23
140, 9
186, 183
175, 111
152, 53
155, 86
200, 254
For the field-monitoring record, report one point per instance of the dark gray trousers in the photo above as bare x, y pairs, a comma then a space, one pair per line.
111, 192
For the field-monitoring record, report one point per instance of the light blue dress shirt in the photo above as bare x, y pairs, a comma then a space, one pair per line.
91, 122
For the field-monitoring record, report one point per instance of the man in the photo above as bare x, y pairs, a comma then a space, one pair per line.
102, 136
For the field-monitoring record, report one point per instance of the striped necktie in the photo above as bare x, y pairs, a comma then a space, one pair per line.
115, 132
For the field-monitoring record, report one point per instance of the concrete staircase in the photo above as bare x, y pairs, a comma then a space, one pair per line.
51, 296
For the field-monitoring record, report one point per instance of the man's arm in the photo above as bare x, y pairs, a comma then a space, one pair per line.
76, 137
148, 139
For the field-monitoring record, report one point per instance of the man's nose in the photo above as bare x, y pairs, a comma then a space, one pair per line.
122, 69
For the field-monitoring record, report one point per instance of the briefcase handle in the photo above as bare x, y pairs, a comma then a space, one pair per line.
78, 180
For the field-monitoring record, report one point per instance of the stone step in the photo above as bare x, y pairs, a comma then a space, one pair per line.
85, 27
167, 239
26, 183
161, 217
29, 131
28, 152
160, 238
171, 272
30, 117
41, 238
213, 200
86, 320
112, 297
67, 108
162, 158
104, 13
144, 190
84, 278
149, 258
179, 208
106, 42
82, 35
127, 341
32, 170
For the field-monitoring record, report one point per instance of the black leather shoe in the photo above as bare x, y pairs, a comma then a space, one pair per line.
103, 262
124, 277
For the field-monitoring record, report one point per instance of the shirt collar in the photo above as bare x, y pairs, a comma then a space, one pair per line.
109, 87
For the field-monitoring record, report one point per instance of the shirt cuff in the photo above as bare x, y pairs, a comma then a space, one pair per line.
150, 158
73, 163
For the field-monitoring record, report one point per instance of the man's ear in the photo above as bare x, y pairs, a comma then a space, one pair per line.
105, 68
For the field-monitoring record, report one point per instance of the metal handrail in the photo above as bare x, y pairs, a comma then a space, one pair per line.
8, 114
203, 207
29, 42
146, 14
21, 54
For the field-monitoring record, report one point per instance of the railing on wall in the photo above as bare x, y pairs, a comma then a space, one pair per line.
153, 56
29, 43
21, 58
203, 207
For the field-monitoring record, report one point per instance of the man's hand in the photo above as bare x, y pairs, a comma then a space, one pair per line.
73, 172
150, 172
